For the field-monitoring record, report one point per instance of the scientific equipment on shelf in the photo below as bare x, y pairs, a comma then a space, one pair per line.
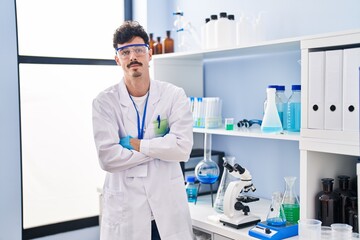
206, 112
236, 214
271, 122
275, 226
207, 171
158, 47
328, 203
345, 194
294, 109
248, 123
187, 36
226, 178
168, 43
290, 201
191, 189
276, 216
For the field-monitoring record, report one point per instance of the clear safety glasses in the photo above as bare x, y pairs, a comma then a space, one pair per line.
138, 49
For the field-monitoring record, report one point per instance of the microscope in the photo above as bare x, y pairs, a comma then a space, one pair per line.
236, 214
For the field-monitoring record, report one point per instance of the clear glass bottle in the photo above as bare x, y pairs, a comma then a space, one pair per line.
191, 189
158, 48
207, 171
294, 109
328, 203
151, 42
271, 121
168, 43
276, 215
290, 201
226, 178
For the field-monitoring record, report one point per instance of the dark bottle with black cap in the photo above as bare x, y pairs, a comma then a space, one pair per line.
345, 193
328, 203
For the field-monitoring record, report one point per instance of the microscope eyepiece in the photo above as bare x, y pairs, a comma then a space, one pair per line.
228, 167
238, 168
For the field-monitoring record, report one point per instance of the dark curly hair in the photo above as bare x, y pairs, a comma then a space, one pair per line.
127, 31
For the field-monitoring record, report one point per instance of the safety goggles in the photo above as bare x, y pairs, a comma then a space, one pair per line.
138, 49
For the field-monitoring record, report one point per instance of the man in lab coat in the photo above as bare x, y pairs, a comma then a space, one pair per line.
142, 130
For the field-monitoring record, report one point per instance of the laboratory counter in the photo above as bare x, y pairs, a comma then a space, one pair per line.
205, 219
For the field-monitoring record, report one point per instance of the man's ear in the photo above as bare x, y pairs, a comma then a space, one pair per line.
150, 54
117, 60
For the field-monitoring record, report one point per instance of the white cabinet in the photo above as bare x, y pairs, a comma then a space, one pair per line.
323, 153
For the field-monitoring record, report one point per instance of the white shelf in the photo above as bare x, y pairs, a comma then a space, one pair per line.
250, 132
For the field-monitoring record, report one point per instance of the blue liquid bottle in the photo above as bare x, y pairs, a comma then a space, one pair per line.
191, 189
281, 104
271, 122
294, 109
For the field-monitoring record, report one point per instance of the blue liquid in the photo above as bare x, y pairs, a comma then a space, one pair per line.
191, 194
207, 179
276, 221
271, 129
294, 117
284, 116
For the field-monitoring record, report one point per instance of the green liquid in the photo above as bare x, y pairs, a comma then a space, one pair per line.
292, 212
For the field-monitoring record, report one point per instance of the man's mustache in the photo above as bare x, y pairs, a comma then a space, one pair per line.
132, 63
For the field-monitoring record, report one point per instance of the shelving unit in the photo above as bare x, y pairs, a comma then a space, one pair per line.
323, 153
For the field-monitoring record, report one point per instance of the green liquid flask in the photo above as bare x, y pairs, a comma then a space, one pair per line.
290, 201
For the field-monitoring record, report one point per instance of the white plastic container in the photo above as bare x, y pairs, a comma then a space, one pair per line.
210, 32
223, 31
204, 42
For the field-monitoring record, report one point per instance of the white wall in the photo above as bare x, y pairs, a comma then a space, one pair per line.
10, 179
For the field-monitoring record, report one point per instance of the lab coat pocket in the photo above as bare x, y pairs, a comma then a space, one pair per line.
161, 127
113, 211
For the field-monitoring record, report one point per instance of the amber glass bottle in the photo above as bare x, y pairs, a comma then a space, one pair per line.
158, 48
345, 193
168, 43
151, 42
328, 203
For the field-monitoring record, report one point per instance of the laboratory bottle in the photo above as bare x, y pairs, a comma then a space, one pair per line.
345, 193
276, 215
328, 203
294, 109
223, 31
352, 214
210, 32
290, 201
232, 36
191, 189
207, 171
158, 48
271, 121
168, 43
226, 178
151, 42
204, 44
281, 104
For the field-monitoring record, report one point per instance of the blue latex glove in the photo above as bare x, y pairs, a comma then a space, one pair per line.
125, 142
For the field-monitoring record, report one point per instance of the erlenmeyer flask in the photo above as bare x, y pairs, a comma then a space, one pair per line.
271, 122
226, 178
290, 201
207, 171
276, 215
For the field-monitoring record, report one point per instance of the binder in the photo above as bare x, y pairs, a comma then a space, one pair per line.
333, 90
351, 89
316, 90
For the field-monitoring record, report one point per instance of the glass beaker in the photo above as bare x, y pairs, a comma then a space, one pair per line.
276, 215
290, 201
226, 178
207, 171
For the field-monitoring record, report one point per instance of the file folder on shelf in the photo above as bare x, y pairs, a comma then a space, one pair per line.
316, 90
333, 89
351, 86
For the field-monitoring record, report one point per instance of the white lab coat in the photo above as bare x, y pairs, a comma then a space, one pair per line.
150, 181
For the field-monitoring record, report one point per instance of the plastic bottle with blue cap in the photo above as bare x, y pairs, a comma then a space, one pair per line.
191, 189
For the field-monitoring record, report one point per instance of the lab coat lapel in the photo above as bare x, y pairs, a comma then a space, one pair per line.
129, 113
154, 97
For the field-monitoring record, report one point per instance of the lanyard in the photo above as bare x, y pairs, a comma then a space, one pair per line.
140, 130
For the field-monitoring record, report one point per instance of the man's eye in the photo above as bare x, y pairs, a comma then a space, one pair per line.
138, 50
125, 52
